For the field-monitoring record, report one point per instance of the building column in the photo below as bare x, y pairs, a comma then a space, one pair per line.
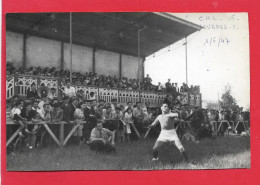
24, 50
120, 65
143, 76
62, 56
94, 60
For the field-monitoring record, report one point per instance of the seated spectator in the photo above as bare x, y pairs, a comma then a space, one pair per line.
100, 139
16, 116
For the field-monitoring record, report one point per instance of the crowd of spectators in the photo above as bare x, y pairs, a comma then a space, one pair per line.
72, 108
95, 79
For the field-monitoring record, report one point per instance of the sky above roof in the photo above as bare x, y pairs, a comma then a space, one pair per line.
217, 55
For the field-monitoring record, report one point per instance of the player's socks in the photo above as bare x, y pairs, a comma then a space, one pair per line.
184, 156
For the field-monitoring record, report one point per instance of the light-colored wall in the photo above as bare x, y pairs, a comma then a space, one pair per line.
47, 53
107, 63
43, 52
82, 58
14, 48
129, 66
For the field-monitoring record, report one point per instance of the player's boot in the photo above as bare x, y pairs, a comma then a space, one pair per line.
185, 157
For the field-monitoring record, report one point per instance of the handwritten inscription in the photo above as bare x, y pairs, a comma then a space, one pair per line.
216, 41
219, 23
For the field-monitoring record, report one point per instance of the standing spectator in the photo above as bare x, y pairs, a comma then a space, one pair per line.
51, 94
32, 93
128, 118
42, 102
138, 114
79, 116
69, 90
160, 87
92, 96
129, 105
147, 82
113, 105
168, 86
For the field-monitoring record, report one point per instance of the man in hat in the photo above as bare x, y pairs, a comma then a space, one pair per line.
168, 133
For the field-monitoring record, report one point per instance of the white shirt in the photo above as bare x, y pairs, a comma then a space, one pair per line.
43, 114
40, 105
70, 92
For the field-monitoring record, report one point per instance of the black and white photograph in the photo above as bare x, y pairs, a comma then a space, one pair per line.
127, 91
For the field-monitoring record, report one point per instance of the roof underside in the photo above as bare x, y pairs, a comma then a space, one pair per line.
117, 32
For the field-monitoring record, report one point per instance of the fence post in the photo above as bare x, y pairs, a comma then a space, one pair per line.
98, 95
38, 82
59, 87
15, 84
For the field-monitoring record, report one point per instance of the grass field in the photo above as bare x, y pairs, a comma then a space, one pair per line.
224, 152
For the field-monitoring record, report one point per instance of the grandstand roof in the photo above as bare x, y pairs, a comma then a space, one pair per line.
115, 32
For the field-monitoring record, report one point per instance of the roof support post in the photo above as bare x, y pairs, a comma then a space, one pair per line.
24, 50
138, 43
120, 65
70, 47
186, 56
62, 56
94, 59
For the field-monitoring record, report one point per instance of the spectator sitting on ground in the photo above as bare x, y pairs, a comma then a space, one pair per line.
100, 139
